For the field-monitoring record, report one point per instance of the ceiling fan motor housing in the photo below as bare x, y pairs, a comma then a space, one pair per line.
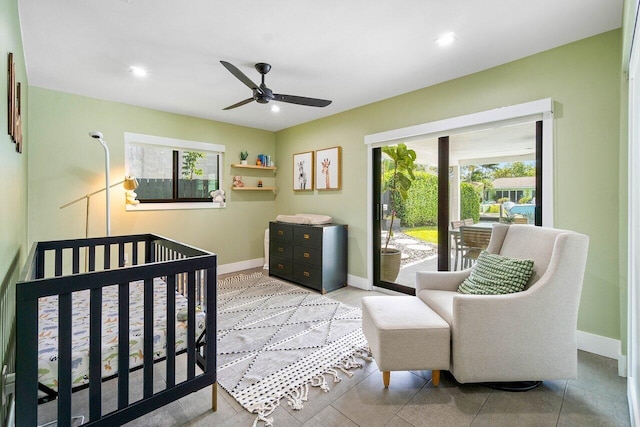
265, 96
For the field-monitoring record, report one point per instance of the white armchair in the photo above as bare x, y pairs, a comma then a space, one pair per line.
524, 336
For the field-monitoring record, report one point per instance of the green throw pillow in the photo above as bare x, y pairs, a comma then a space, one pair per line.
497, 274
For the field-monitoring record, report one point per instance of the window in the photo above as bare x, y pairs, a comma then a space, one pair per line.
172, 171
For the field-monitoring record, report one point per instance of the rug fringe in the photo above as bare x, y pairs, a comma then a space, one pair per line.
297, 397
263, 411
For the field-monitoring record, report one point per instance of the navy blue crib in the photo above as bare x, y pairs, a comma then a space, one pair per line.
62, 268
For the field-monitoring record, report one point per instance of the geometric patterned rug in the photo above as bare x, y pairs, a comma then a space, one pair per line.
275, 340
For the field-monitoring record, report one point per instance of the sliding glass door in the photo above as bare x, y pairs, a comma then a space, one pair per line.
482, 177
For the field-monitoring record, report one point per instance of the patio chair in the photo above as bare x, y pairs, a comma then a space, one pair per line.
457, 245
473, 241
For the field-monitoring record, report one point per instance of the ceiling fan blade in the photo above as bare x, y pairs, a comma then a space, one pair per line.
301, 100
239, 104
240, 76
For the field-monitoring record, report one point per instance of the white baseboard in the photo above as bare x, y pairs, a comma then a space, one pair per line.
242, 265
622, 365
603, 346
358, 282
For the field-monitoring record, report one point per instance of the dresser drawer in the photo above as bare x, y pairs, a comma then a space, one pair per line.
308, 236
281, 232
308, 276
280, 249
308, 255
281, 267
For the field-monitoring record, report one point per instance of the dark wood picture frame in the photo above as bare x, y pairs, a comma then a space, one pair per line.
17, 132
11, 84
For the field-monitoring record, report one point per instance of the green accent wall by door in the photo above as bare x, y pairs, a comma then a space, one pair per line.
583, 79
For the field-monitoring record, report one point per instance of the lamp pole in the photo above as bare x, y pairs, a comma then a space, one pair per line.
98, 136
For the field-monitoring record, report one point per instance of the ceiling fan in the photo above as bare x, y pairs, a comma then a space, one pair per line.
262, 94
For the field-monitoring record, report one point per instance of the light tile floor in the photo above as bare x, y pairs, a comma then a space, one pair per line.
596, 398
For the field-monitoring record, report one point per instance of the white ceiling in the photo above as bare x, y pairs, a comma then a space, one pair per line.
352, 52
497, 144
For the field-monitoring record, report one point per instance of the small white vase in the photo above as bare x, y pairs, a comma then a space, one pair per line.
243, 162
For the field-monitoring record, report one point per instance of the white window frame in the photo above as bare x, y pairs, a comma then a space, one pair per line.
180, 144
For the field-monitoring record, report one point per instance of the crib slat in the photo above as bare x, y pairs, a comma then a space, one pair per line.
121, 254
107, 257
95, 354
58, 262
92, 258
27, 360
123, 345
134, 255
171, 331
210, 309
148, 338
64, 359
76, 260
191, 325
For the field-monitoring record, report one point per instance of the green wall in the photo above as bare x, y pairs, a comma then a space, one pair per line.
65, 164
13, 176
583, 79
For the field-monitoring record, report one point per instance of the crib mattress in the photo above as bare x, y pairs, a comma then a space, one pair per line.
48, 331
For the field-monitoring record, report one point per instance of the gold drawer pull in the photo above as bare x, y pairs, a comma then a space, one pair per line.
306, 274
281, 267
280, 249
306, 255
280, 232
306, 236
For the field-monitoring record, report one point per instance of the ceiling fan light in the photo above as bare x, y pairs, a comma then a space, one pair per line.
138, 71
446, 39
275, 108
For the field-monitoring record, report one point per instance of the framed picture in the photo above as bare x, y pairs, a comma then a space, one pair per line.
11, 84
17, 128
329, 169
303, 171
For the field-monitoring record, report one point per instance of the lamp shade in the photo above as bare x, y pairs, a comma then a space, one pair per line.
130, 183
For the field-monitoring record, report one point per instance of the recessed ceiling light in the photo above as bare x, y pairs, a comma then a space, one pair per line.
138, 71
275, 108
446, 39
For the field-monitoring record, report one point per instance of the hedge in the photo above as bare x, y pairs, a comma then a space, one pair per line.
469, 202
421, 207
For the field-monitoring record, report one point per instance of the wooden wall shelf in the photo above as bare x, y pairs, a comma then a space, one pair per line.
267, 168
254, 188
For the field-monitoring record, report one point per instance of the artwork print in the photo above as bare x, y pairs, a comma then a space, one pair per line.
328, 169
303, 171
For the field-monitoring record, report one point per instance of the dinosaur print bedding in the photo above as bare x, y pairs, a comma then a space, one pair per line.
48, 331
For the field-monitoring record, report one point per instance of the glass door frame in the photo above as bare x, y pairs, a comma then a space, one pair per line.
540, 110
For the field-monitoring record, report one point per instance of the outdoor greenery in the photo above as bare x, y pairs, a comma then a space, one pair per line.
514, 170
426, 234
469, 201
413, 195
421, 207
189, 164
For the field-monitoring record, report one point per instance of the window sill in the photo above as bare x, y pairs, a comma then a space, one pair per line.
173, 206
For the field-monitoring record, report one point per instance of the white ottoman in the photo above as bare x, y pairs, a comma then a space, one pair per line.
405, 334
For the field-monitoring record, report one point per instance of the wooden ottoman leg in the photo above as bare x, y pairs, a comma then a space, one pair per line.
435, 377
386, 376
214, 396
